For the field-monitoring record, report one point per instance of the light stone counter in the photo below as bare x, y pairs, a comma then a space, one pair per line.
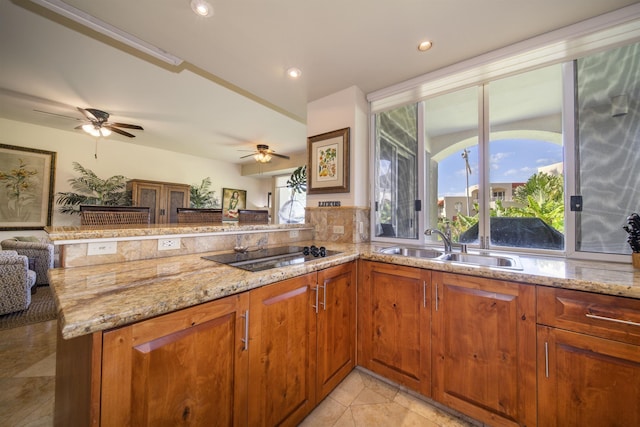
99, 297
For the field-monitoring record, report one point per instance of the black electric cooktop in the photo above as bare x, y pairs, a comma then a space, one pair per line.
264, 259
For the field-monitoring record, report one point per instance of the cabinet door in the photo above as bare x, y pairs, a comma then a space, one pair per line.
483, 348
184, 368
394, 324
282, 352
177, 196
586, 381
336, 327
148, 195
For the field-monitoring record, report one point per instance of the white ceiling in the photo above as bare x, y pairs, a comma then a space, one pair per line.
231, 92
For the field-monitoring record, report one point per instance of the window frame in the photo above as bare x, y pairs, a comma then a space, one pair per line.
559, 47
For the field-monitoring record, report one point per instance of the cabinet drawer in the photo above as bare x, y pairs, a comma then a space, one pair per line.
605, 316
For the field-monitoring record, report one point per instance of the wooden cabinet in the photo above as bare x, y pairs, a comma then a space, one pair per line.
394, 323
184, 368
588, 359
484, 341
164, 198
282, 352
336, 326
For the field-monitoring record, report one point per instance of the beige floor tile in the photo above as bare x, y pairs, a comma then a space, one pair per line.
44, 368
347, 391
346, 420
383, 388
428, 411
326, 414
370, 397
386, 415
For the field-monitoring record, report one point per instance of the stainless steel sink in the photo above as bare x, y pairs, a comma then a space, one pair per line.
412, 252
487, 260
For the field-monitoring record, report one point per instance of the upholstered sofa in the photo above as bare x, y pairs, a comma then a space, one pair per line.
16, 281
41, 253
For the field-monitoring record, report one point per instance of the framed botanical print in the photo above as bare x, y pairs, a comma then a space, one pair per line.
27, 179
328, 167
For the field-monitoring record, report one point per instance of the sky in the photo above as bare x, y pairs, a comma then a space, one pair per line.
511, 161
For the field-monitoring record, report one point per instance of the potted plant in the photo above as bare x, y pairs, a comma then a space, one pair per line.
202, 197
92, 190
292, 212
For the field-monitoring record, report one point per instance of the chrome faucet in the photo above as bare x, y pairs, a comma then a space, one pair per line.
446, 238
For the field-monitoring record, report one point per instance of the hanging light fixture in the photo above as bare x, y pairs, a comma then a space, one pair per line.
96, 130
262, 157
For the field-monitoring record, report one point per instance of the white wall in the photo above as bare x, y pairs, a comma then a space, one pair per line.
347, 108
125, 158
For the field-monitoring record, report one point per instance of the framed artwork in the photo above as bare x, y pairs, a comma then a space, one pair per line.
328, 167
27, 178
232, 201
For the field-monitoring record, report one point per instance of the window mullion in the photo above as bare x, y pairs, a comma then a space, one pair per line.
483, 166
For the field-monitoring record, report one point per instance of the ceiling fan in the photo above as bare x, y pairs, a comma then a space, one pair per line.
263, 154
99, 124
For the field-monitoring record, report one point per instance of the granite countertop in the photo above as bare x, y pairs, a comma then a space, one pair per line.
67, 233
95, 298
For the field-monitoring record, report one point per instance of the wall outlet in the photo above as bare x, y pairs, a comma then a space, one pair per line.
169, 244
102, 248
293, 233
338, 229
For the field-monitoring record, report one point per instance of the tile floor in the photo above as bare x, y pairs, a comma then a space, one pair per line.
27, 379
362, 400
27, 375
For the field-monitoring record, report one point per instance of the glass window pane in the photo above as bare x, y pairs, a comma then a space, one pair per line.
526, 194
451, 145
608, 138
396, 166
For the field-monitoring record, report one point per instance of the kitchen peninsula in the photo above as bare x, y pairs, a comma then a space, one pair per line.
194, 305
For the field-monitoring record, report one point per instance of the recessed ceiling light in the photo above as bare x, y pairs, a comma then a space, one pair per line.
425, 46
294, 72
202, 8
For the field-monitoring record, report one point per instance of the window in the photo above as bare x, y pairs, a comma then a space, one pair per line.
607, 148
396, 171
498, 149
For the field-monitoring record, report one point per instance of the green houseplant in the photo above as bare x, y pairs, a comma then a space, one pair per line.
292, 212
92, 190
201, 196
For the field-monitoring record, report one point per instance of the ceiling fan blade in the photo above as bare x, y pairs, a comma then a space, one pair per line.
120, 131
248, 155
57, 115
88, 114
126, 126
279, 155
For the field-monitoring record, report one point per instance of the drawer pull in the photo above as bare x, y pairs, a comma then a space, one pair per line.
612, 319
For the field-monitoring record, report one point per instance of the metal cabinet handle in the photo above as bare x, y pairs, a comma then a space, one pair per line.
546, 359
316, 304
245, 340
612, 319
324, 296
437, 298
424, 293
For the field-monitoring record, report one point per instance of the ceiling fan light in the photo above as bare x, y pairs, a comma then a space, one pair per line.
105, 131
262, 157
91, 129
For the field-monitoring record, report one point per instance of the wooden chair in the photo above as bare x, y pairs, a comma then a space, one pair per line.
249, 216
199, 216
114, 215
